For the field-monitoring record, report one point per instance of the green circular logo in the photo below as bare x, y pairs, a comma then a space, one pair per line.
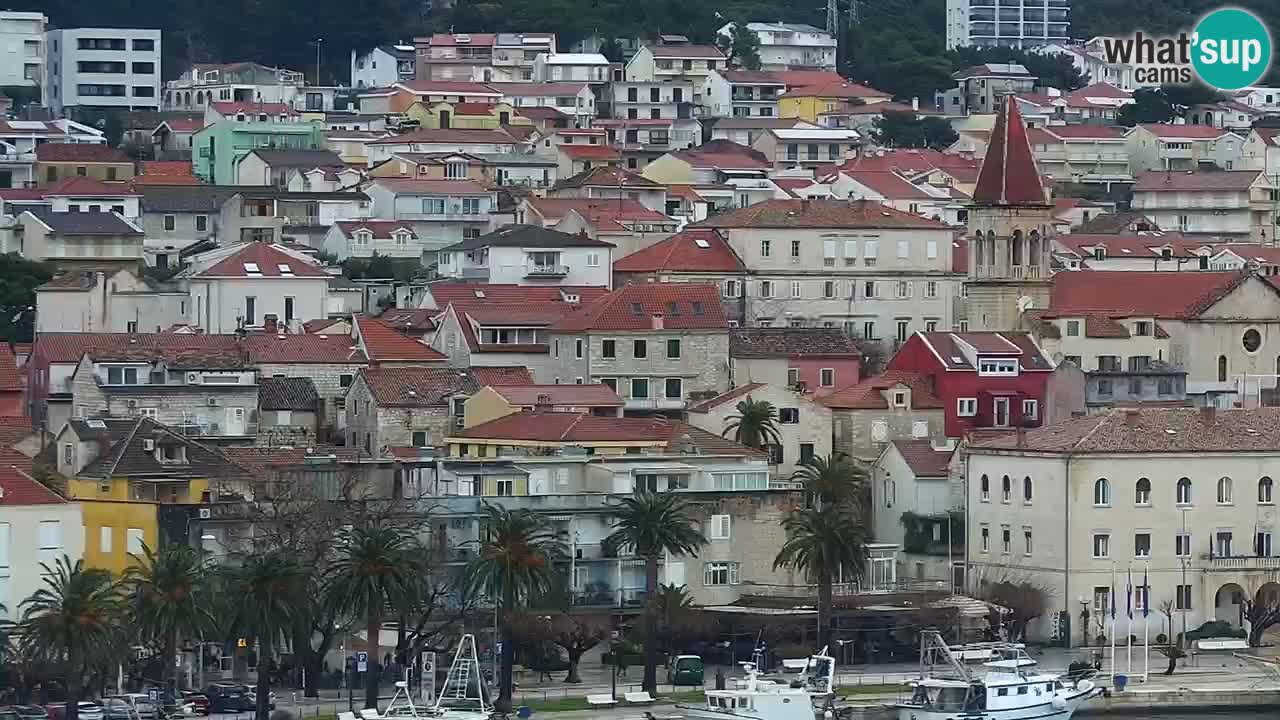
1230, 49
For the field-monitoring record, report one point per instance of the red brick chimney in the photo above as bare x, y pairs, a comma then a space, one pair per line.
269, 325
659, 322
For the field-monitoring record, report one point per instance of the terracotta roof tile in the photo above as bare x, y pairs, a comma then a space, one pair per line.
890, 185
790, 342
1213, 181
79, 152
10, 379
18, 487
383, 343
819, 213
591, 209
693, 250
287, 393
406, 320
570, 428
590, 152
725, 397
417, 386
79, 186
560, 395
923, 459
608, 176
838, 89
1009, 175
270, 261
446, 292
1174, 132
1150, 430
301, 349
261, 460
381, 229
511, 375
683, 306
868, 394
1171, 295
70, 347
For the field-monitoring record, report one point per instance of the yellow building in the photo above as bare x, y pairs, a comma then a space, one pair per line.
493, 402
122, 470
59, 161
465, 115
807, 103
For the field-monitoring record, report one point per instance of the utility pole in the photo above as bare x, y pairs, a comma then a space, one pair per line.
833, 18
318, 42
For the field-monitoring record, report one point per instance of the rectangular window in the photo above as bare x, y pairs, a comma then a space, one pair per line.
1142, 545
1101, 545
931, 289
731, 288
104, 539
673, 349
904, 249
869, 251
992, 367
1073, 328
789, 416
288, 309
250, 310
903, 289
673, 388
827, 377
720, 527
931, 249
1101, 600
345, 380
1026, 540
766, 247
795, 289
609, 348
903, 330
1030, 409
577, 348
506, 487
795, 249
807, 453
202, 223
716, 574
869, 330
766, 288
639, 349
986, 539
170, 222
1006, 540
135, 537
966, 407
829, 289
640, 388
419, 438
1182, 597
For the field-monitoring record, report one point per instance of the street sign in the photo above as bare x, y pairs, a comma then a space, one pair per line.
428, 677
154, 694
362, 662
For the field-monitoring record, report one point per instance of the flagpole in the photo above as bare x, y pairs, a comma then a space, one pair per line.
1128, 634
1113, 619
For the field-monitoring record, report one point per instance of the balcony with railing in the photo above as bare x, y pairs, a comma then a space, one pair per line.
1241, 563
654, 403
546, 271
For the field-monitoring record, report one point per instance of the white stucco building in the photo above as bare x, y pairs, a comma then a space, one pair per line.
530, 255
22, 34
36, 526
103, 68
791, 46
239, 286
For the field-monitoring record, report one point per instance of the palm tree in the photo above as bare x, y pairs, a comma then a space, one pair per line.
755, 425
835, 478
651, 525
265, 591
514, 563
371, 571
169, 599
825, 542
73, 619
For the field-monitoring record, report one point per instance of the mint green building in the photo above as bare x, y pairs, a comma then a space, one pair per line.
216, 150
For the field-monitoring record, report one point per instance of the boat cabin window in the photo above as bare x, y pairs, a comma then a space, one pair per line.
1057, 684
1002, 692
1022, 690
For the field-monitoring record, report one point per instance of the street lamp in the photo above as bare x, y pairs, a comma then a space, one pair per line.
317, 42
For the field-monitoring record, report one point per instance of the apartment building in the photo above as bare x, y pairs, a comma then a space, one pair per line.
103, 69
571, 67
23, 35
442, 212
981, 88
809, 149
253, 285
247, 83
382, 66
819, 263
677, 62
37, 514
1238, 204
791, 46
1020, 24
741, 94
1095, 154
481, 57
529, 255
218, 148
1182, 148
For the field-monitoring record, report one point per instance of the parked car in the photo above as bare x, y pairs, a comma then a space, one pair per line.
253, 699
140, 703
115, 708
9, 713
225, 697
85, 709
199, 702
31, 712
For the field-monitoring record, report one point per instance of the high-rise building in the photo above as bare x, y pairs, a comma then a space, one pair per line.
1009, 23
22, 40
103, 68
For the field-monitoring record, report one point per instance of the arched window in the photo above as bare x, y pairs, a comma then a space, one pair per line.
1006, 489
1026, 489
1224, 491
1033, 249
1184, 491
199, 97
977, 260
1101, 492
1142, 492
1015, 248
1264, 490
1222, 368
186, 100
986, 488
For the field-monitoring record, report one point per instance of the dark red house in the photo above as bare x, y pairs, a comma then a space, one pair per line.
985, 379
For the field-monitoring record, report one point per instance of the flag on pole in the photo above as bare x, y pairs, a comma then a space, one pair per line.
1129, 593
1146, 595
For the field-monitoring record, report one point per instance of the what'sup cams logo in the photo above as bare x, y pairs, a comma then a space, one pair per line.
1229, 49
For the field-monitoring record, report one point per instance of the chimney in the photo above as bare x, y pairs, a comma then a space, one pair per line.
1022, 437
1131, 417
269, 324
1208, 413
543, 403
659, 322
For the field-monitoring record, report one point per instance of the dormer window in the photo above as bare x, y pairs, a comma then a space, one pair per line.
1166, 253
401, 237
455, 170
899, 398
1099, 253
997, 367
171, 454
363, 237
1142, 328
122, 376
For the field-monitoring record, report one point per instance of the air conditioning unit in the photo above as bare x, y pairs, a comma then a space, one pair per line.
458, 422
149, 445
193, 378
213, 402
133, 404
206, 513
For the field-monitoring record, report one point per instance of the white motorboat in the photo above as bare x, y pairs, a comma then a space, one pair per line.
759, 698
1008, 690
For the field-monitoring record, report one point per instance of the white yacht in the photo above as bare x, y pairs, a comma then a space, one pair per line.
759, 698
1008, 690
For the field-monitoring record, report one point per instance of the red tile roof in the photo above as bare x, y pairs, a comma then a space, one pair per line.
1177, 132
568, 428
889, 185
70, 347
21, 194
1009, 175
17, 485
724, 155
820, 213
684, 306
842, 89
10, 379
787, 342
417, 386
81, 186
590, 152
1129, 246
868, 394
260, 460
319, 348
446, 292
249, 107
949, 349
1217, 180
693, 250
1149, 430
166, 167
741, 391
502, 376
1175, 295
182, 125
409, 320
383, 343
608, 176
808, 78
447, 136
923, 459
560, 395
381, 229
752, 77
627, 210
268, 259
79, 152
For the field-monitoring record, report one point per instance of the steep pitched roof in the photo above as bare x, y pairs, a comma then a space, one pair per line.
381, 229
923, 458
383, 343
889, 185
126, 456
417, 386
287, 393
1009, 175
819, 213
691, 250
17, 487
83, 186
953, 349
269, 261
790, 342
637, 307
868, 394
1173, 295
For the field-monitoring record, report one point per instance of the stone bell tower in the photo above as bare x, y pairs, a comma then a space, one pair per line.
1010, 225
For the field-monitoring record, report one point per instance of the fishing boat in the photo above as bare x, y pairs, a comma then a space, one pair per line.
1009, 689
760, 698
